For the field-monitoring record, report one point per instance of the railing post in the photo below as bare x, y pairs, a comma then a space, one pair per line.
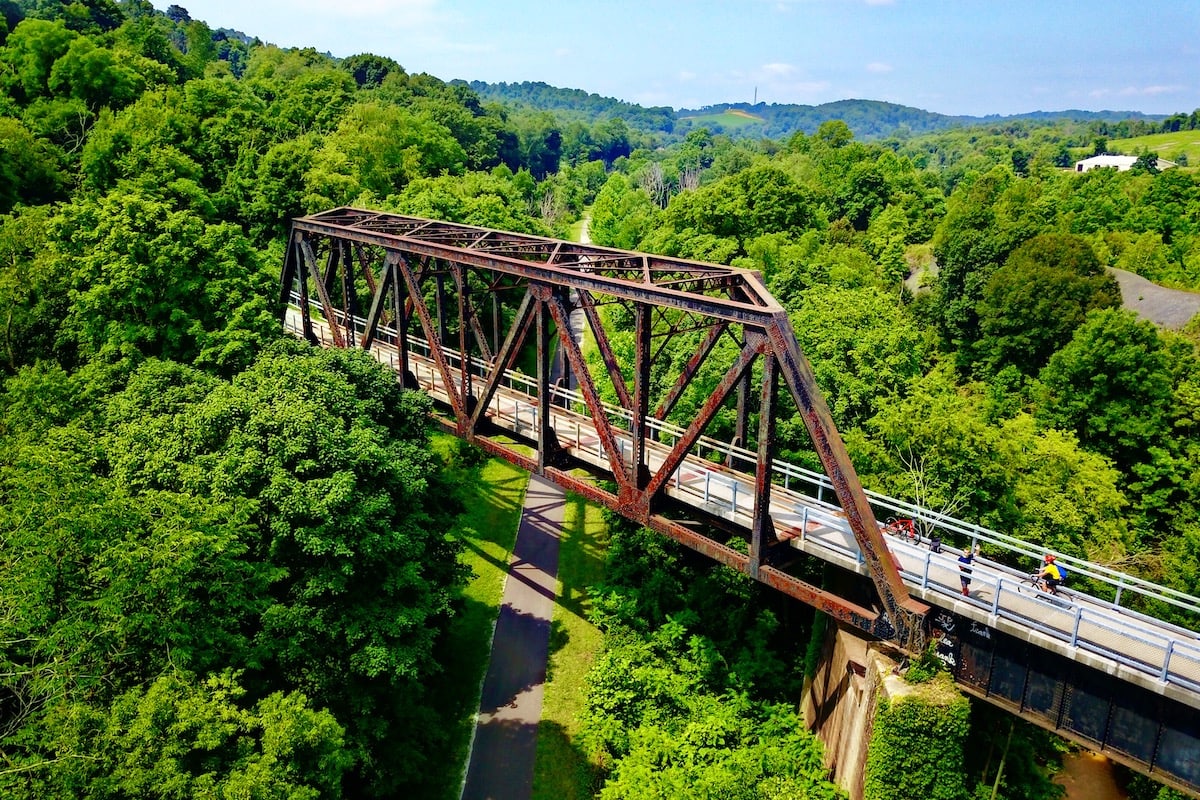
1075, 630
733, 499
1166, 667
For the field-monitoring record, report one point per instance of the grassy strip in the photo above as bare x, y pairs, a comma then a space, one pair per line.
493, 495
561, 771
1165, 145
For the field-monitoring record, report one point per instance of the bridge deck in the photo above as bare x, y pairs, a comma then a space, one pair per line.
1117, 641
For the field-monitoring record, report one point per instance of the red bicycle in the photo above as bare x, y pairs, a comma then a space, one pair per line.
904, 528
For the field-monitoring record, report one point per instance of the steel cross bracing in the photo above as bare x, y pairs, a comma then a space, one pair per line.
484, 293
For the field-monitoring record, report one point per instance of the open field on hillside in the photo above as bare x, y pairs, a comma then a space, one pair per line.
1166, 145
730, 119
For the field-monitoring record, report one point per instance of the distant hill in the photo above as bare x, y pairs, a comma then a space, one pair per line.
869, 119
576, 103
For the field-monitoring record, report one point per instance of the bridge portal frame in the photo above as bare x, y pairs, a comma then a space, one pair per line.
437, 276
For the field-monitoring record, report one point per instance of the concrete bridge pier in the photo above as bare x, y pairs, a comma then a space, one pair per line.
840, 702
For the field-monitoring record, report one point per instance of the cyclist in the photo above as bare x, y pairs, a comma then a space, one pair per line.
1051, 574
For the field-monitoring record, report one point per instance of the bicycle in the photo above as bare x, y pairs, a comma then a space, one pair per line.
902, 527
1036, 585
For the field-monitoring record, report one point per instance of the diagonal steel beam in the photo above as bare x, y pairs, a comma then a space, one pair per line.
504, 357
588, 304
689, 370
679, 450
327, 307
587, 387
907, 612
435, 344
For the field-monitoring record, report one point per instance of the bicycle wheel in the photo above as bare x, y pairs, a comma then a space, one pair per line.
1031, 586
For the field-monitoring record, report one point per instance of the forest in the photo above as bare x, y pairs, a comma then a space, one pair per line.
225, 566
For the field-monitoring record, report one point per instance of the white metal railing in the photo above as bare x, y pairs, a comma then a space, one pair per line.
1152, 646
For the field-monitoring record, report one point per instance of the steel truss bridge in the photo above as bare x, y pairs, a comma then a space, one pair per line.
451, 308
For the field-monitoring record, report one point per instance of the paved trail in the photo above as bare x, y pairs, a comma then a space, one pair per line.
510, 706
502, 753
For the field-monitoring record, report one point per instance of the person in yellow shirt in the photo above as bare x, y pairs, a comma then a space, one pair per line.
1051, 574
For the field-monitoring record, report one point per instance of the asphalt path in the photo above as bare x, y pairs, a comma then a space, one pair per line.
510, 706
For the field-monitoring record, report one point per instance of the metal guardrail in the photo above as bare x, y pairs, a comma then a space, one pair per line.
1166, 646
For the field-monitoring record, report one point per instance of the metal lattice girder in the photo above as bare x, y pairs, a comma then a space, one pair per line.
442, 279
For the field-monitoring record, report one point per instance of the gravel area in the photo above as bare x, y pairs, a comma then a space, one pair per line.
1167, 308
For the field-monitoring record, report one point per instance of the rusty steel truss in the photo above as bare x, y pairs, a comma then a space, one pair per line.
487, 292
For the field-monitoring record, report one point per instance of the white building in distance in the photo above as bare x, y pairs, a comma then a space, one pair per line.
1119, 163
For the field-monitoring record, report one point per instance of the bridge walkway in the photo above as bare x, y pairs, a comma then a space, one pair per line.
1136, 648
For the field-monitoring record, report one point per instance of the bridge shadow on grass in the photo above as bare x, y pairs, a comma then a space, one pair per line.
582, 555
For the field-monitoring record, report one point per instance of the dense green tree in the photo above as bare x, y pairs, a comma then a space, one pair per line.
160, 282
94, 75
717, 222
1110, 385
33, 295
476, 198
621, 215
863, 348
375, 151
31, 50
1033, 303
369, 70
29, 167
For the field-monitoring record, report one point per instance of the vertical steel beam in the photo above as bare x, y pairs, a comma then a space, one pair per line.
349, 296
762, 528
638, 474
396, 264
544, 431
464, 331
742, 424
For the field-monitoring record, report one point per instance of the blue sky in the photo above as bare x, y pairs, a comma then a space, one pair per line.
951, 56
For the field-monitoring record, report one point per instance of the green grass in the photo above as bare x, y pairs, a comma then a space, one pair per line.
561, 771
576, 232
1166, 145
488, 530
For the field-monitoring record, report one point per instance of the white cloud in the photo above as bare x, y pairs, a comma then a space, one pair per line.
1136, 91
879, 68
778, 69
562, 52
687, 75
